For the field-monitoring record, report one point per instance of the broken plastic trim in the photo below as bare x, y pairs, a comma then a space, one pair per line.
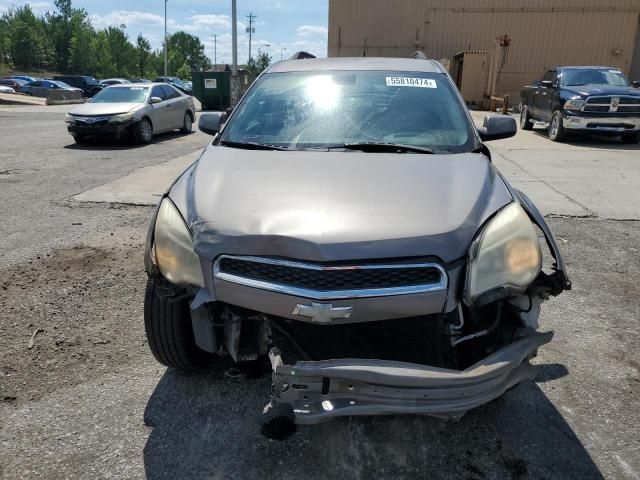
319, 391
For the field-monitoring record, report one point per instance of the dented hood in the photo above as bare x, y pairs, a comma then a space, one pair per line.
331, 206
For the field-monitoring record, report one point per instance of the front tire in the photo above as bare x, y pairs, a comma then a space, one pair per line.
187, 124
80, 139
167, 322
557, 132
525, 118
143, 131
631, 138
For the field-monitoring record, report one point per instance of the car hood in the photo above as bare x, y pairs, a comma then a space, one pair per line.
332, 206
104, 108
588, 90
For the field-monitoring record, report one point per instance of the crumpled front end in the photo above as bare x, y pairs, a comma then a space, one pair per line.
320, 391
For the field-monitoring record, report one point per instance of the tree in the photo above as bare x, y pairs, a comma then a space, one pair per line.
184, 72
186, 48
103, 60
143, 51
82, 54
26, 37
257, 66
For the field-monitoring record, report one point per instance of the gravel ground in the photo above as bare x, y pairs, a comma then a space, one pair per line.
89, 401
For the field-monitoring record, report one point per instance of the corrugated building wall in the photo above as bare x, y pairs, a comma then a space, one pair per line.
544, 33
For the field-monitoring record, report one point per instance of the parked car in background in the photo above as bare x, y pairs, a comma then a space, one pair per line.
348, 223
132, 110
5, 89
176, 82
114, 81
14, 83
25, 78
89, 85
591, 100
143, 80
40, 86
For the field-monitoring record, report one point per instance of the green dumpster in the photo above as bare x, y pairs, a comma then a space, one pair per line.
213, 89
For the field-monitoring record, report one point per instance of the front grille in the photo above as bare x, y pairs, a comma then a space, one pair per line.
329, 278
414, 340
604, 104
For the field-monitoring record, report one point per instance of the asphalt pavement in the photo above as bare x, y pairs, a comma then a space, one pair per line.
87, 400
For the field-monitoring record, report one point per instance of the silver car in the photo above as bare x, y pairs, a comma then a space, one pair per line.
133, 110
347, 223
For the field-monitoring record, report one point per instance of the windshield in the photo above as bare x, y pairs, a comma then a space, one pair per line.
600, 76
121, 95
61, 84
330, 109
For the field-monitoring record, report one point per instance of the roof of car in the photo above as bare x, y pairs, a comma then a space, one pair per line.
357, 63
138, 84
584, 67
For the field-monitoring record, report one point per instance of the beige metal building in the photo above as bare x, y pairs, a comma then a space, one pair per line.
544, 33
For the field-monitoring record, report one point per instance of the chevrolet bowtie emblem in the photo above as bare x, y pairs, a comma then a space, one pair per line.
322, 312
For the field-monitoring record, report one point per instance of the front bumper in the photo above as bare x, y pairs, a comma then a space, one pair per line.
616, 124
105, 128
319, 391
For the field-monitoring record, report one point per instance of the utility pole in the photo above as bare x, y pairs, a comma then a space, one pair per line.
235, 81
251, 30
165, 39
234, 37
215, 51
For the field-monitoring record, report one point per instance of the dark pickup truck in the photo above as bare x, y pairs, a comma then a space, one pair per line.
598, 100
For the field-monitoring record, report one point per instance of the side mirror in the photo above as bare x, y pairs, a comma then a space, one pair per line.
636, 84
547, 84
209, 123
156, 100
496, 127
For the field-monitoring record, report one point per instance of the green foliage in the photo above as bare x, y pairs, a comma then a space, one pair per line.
25, 38
143, 52
185, 48
64, 40
257, 65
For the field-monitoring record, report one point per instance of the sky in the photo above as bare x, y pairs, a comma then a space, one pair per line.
291, 24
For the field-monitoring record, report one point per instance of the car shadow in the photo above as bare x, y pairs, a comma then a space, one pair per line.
107, 143
592, 141
208, 425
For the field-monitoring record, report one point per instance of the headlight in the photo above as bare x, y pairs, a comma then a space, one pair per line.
174, 253
123, 117
69, 118
574, 104
506, 254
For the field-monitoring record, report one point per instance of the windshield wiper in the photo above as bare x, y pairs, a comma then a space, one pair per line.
384, 147
252, 145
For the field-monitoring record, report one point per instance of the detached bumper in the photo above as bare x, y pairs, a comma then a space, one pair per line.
616, 124
319, 391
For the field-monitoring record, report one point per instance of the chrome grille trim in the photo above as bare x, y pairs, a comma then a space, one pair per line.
597, 104
330, 294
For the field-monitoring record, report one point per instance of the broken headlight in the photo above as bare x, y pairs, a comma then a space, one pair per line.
506, 256
174, 252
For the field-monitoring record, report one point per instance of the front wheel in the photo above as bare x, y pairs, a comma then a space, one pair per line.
631, 138
80, 139
143, 131
187, 123
556, 127
167, 322
525, 118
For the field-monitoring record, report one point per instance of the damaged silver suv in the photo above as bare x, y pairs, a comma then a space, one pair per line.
348, 224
